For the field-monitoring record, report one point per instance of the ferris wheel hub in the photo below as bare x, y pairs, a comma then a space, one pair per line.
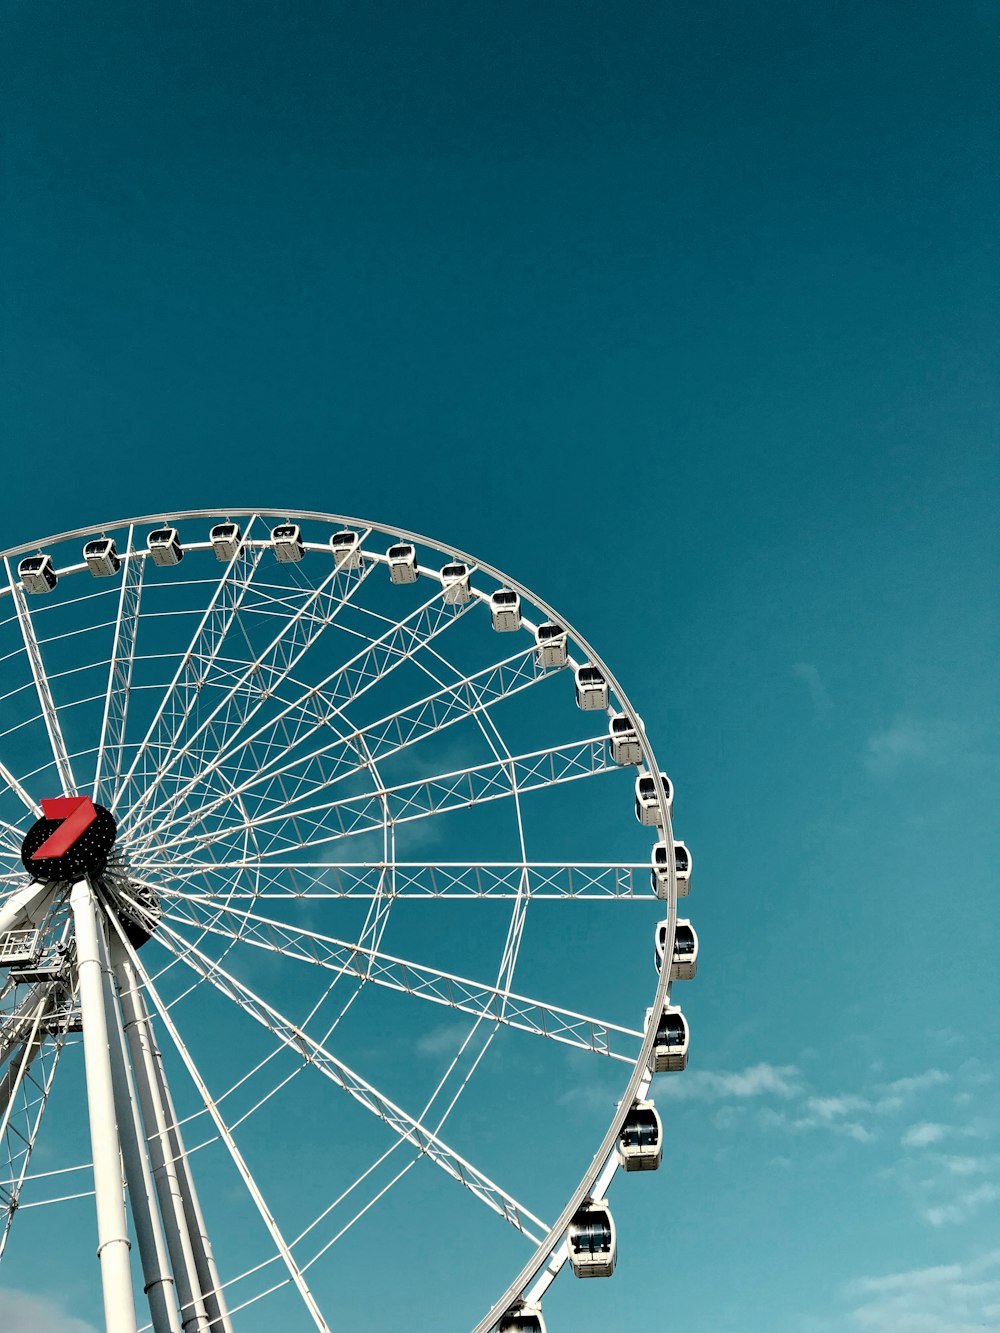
73, 838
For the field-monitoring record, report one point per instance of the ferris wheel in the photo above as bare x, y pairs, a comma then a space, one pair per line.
322, 848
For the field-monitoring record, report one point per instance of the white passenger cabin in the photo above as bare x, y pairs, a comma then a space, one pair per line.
591, 688
659, 876
640, 1140
670, 1047
647, 809
346, 548
286, 539
455, 582
625, 747
402, 563
524, 1317
505, 608
165, 546
36, 573
684, 964
102, 557
551, 641
225, 539
591, 1241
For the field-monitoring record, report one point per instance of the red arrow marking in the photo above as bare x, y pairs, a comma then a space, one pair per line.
77, 814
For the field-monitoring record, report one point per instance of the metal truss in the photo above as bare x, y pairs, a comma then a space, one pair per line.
498, 1004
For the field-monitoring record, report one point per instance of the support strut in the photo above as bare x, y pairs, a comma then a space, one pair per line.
158, 1284
203, 1308
112, 1228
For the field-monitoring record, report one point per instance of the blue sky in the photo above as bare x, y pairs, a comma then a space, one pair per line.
687, 319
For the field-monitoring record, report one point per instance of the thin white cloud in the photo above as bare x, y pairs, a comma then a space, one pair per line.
755, 1081
924, 1134
906, 742
443, 1040
946, 1298
37, 1314
963, 1207
833, 1108
970, 1166
833, 1122
904, 1087
808, 673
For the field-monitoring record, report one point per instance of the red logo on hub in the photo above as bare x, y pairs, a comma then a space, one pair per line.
77, 814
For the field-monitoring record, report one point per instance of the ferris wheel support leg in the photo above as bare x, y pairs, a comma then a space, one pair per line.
166, 1156
215, 1301
158, 1284
112, 1228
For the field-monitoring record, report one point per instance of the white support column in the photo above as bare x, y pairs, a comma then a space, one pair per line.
194, 1316
158, 1284
112, 1227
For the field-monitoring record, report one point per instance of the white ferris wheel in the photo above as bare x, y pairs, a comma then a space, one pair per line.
322, 847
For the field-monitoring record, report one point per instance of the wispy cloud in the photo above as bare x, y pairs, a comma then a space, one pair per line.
906, 742
808, 673
40, 1315
947, 1298
784, 1102
760, 1080
924, 1134
443, 1040
962, 1207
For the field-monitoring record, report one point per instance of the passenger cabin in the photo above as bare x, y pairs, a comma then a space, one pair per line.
455, 582
625, 747
346, 548
670, 1046
36, 573
640, 1141
591, 1241
102, 557
402, 563
524, 1317
647, 809
286, 539
165, 546
551, 640
659, 876
684, 964
505, 608
225, 539
591, 688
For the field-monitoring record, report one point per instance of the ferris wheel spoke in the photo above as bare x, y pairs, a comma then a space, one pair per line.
252, 686
41, 681
366, 1094
496, 1004
338, 759
450, 881
107, 770
422, 799
320, 705
196, 661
